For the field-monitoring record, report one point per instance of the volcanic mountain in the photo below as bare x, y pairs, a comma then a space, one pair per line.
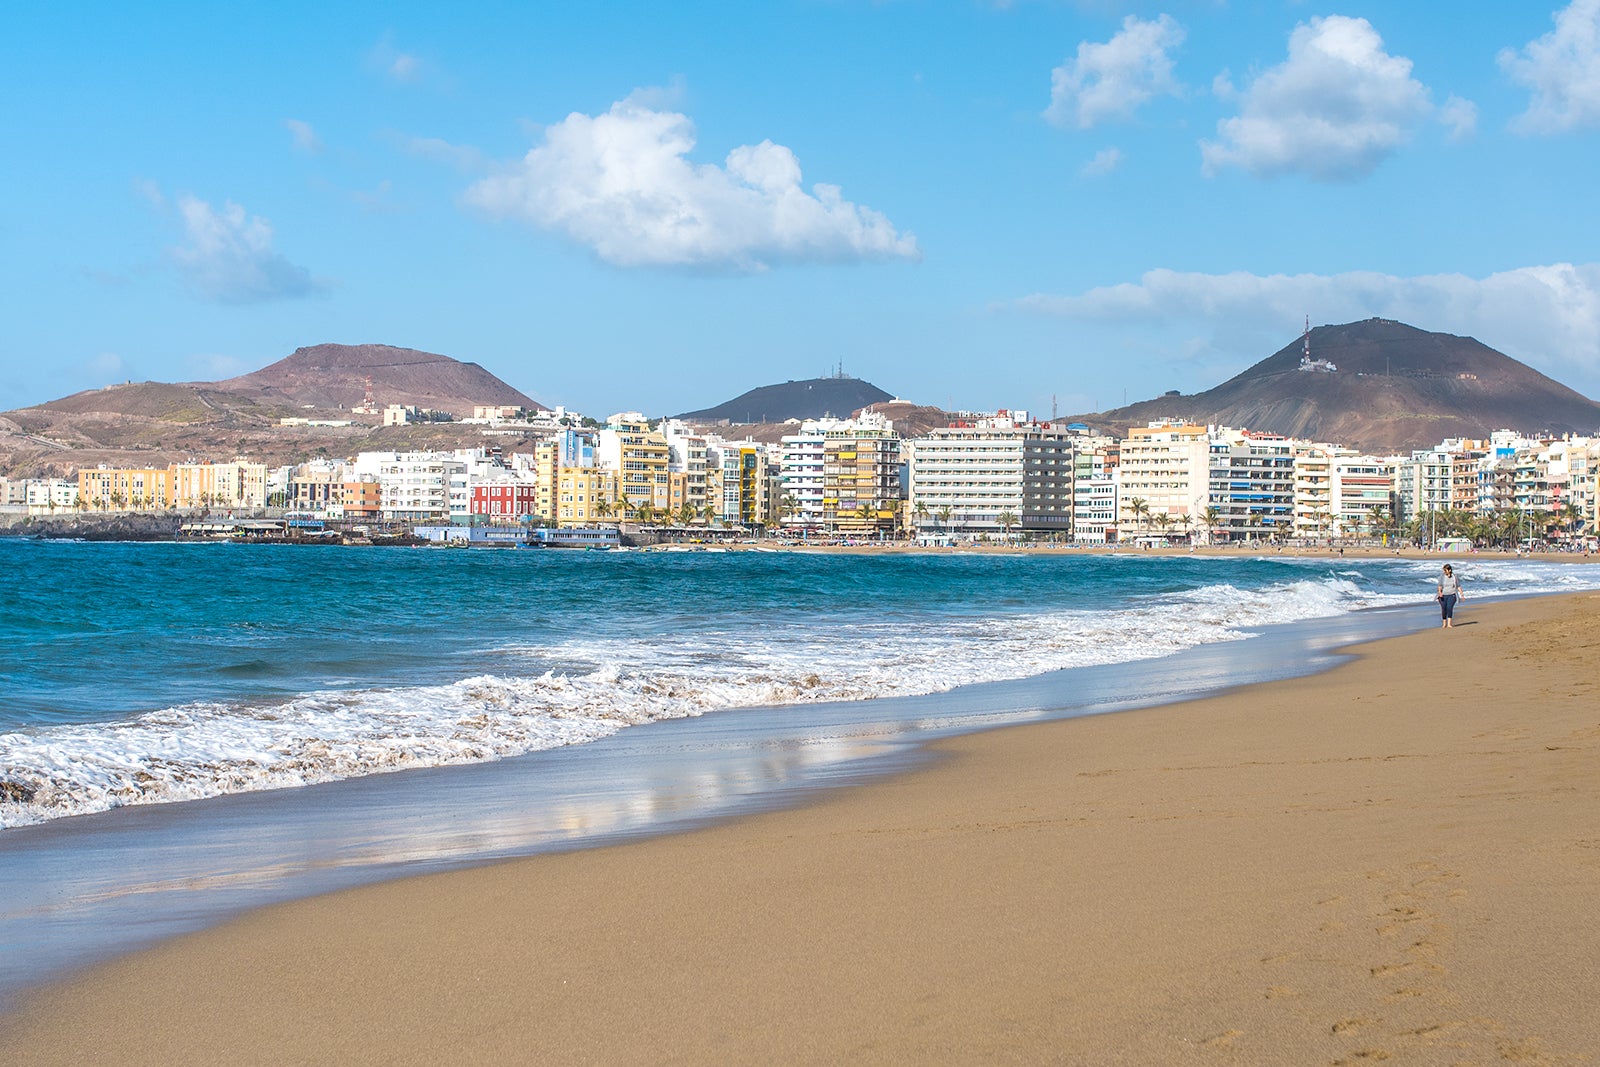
810, 399
1394, 388
333, 376
144, 423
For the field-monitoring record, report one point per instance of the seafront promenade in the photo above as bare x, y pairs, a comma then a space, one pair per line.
1392, 860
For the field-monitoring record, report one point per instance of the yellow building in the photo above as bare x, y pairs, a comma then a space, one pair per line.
639, 457
225, 485
130, 488
547, 472
584, 495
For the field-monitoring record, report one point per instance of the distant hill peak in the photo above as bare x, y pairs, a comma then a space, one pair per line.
335, 375
811, 398
1396, 388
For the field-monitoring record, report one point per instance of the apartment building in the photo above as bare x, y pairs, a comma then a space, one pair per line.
239, 484
841, 475
1094, 487
1251, 487
584, 495
640, 458
118, 488
1163, 471
861, 479
992, 475
687, 459
415, 486
1363, 492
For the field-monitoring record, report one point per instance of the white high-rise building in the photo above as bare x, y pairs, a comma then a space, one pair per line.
992, 475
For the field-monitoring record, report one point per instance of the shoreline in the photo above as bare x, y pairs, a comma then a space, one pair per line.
1114, 888
177, 868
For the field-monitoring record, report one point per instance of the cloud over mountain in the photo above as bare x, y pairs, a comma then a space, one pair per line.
1548, 311
621, 184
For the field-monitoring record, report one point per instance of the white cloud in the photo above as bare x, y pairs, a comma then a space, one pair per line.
1563, 70
1110, 80
1545, 315
1104, 162
621, 184
227, 256
1335, 109
1461, 116
305, 138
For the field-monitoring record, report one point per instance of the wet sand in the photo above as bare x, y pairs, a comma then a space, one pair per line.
1396, 860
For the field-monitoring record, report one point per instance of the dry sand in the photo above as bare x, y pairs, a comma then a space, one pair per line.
1398, 860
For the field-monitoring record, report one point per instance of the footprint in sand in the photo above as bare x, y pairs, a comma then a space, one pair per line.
1222, 1040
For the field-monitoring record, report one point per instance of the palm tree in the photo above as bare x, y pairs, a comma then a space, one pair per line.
920, 512
943, 515
1570, 517
1212, 518
1140, 510
602, 508
1006, 519
1378, 518
1163, 521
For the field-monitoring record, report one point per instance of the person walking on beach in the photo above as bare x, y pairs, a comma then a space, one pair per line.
1449, 591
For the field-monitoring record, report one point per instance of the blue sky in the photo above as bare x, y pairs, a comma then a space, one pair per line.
651, 206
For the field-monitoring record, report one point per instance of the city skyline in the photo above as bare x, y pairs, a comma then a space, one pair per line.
987, 203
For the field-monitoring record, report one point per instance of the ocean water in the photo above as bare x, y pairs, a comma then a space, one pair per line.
140, 674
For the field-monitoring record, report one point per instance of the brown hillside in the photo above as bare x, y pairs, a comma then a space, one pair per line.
331, 377
1397, 388
156, 423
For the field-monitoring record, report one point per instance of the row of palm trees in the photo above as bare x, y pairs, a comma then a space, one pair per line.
1007, 519
1501, 529
623, 509
117, 500
1494, 530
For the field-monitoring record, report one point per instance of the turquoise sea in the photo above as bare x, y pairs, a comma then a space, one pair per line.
188, 729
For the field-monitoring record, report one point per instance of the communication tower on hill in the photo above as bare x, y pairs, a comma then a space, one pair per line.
1316, 366
368, 405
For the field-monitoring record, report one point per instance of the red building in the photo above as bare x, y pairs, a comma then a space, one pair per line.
508, 502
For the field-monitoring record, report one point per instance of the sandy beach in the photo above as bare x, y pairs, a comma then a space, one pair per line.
1396, 860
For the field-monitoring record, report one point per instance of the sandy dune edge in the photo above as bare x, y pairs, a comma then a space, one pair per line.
1397, 860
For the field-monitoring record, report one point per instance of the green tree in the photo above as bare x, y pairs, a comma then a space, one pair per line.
1139, 508
1006, 519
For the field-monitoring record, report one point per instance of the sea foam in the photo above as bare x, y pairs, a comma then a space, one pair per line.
205, 749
